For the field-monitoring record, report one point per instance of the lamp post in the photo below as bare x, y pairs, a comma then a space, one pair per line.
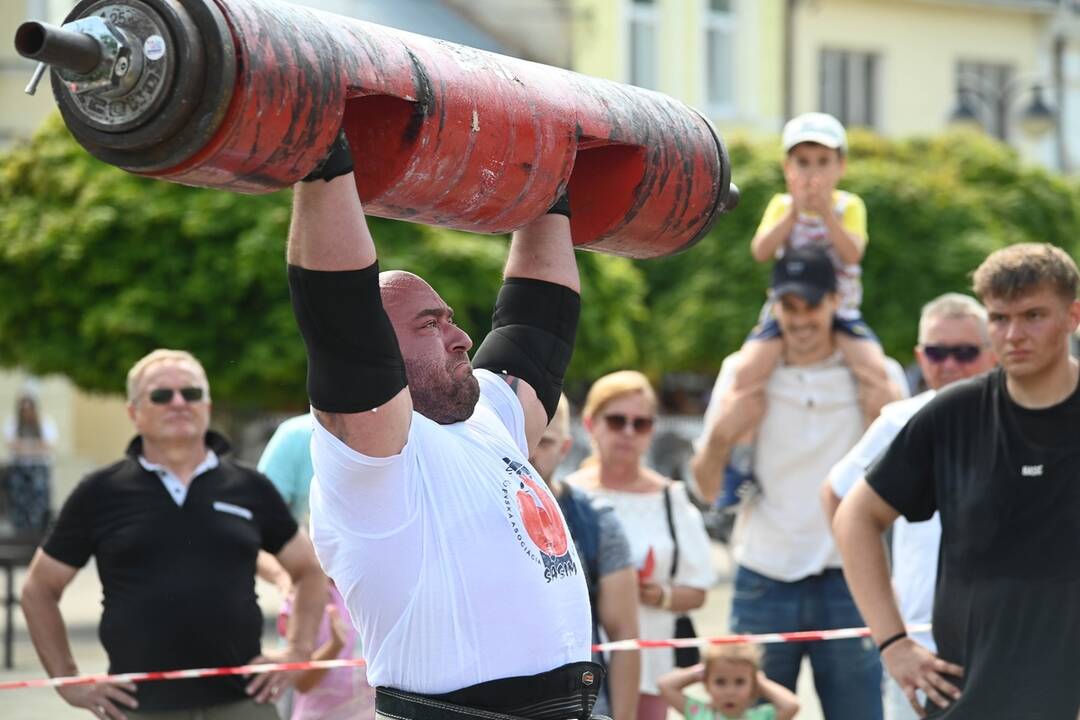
975, 98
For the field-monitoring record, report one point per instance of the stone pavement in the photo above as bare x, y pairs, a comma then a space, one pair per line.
81, 607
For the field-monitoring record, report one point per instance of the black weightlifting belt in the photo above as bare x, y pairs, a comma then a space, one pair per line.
565, 693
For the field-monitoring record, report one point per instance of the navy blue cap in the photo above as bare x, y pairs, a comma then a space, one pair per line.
807, 272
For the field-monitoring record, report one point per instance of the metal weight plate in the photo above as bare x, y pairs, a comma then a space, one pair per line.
177, 103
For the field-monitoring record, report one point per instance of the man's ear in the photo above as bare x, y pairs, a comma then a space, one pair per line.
1074, 315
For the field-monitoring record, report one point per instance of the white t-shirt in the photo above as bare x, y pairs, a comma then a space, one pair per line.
645, 521
453, 557
812, 419
915, 545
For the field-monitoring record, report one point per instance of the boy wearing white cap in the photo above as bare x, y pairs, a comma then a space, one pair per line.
812, 212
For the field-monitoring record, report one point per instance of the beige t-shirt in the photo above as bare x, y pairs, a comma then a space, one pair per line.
813, 419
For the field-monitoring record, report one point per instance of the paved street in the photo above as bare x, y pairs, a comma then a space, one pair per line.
81, 606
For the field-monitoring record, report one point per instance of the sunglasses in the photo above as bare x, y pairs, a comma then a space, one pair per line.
164, 396
618, 423
963, 353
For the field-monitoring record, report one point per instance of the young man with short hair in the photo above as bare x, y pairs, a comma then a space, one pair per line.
998, 457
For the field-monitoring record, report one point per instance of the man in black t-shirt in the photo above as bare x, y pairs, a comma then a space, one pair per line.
175, 528
999, 457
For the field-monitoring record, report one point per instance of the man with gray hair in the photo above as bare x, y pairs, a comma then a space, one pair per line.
175, 527
953, 345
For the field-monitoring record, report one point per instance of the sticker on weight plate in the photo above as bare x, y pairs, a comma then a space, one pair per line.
154, 47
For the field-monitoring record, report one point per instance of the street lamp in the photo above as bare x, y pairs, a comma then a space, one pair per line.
1036, 120
964, 116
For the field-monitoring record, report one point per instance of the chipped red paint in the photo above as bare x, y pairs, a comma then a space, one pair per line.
451, 136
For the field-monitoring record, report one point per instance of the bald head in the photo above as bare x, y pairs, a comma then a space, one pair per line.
392, 280
433, 347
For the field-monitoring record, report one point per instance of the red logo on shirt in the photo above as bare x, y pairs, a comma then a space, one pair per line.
541, 517
537, 522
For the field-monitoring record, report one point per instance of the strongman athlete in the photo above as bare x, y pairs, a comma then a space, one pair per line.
449, 549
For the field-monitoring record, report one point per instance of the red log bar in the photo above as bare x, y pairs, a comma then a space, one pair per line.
247, 95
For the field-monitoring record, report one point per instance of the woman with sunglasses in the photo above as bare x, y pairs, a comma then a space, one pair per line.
619, 415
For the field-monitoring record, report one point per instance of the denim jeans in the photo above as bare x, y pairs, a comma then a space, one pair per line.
847, 673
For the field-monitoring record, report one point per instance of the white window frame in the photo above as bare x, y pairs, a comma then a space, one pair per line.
639, 14
727, 24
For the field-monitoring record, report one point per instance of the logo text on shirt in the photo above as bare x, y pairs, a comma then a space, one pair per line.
537, 522
1031, 471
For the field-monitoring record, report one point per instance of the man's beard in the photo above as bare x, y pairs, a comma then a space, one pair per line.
437, 395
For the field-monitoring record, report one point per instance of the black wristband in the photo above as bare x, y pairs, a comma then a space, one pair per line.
338, 161
898, 636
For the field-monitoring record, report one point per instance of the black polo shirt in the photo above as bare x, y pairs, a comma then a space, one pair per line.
1006, 480
178, 580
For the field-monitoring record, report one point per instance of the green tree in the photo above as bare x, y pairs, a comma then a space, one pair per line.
97, 267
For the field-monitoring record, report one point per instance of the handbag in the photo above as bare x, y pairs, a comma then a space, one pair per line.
684, 626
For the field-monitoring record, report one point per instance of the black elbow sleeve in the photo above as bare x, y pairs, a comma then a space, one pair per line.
354, 362
532, 336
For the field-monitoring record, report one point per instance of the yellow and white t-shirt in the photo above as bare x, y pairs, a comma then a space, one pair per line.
810, 229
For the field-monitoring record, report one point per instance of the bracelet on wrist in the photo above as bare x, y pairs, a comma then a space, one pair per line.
889, 641
665, 597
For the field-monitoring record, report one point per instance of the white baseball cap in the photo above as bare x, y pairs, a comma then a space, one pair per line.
815, 127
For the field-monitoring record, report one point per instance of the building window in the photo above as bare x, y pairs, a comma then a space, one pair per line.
984, 87
849, 86
720, 56
644, 32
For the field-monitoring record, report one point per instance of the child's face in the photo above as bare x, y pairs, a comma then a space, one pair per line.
731, 686
810, 166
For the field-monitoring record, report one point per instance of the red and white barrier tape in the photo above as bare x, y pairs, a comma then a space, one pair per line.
762, 639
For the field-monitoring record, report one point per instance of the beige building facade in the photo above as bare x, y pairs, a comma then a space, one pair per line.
901, 67
898, 67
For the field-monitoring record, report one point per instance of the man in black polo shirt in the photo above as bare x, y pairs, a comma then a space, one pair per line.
999, 457
175, 528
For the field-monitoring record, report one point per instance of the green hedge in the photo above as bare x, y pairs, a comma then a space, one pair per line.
98, 266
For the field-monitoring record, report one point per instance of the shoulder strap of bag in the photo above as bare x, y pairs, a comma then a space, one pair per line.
671, 529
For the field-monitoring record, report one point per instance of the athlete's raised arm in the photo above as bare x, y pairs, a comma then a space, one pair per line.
536, 316
356, 376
